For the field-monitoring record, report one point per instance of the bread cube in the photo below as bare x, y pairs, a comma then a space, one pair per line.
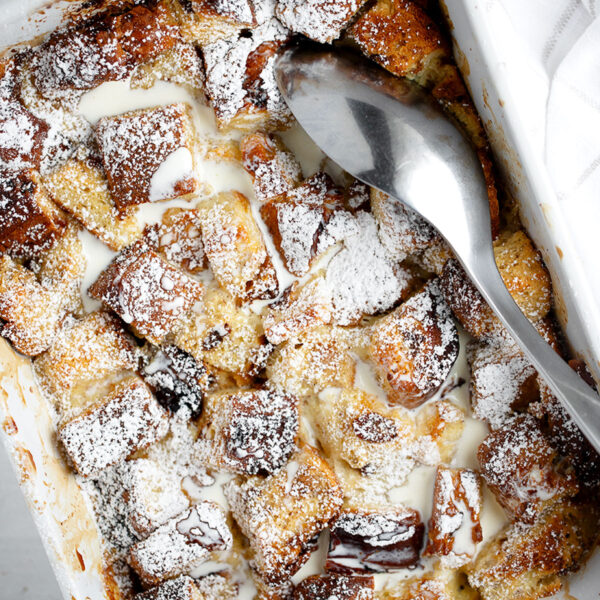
503, 381
29, 222
402, 38
146, 291
217, 586
342, 587
521, 468
300, 307
181, 544
296, 219
439, 584
89, 350
282, 514
179, 239
356, 427
524, 274
454, 528
80, 188
363, 279
319, 20
526, 562
358, 195
177, 379
312, 361
274, 170
30, 312
181, 65
251, 431
104, 48
180, 588
414, 347
265, 590
23, 147
153, 495
113, 426
235, 248
440, 425
205, 21
148, 155
220, 333
240, 81
367, 541
402, 231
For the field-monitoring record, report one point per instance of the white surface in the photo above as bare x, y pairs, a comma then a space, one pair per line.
25, 573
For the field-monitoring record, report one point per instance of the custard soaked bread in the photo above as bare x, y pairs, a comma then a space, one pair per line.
271, 380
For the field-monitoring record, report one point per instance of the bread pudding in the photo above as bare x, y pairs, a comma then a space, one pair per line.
270, 380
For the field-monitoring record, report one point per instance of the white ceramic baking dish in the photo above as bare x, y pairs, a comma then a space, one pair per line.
61, 511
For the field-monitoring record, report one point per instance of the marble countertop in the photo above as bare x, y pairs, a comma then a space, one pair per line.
25, 573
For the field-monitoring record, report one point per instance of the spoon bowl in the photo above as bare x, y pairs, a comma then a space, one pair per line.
390, 134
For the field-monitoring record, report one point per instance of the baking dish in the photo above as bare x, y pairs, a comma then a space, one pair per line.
59, 507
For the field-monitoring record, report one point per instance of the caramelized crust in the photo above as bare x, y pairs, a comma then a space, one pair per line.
414, 347
113, 426
104, 48
180, 588
235, 248
526, 561
342, 587
135, 148
274, 169
281, 515
29, 221
522, 470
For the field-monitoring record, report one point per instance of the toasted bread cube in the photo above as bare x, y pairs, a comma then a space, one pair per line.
265, 590
153, 495
300, 307
217, 586
520, 467
363, 540
282, 514
180, 588
146, 291
342, 587
30, 311
358, 195
111, 428
503, 381
181, 544
401, 37
179, 239
80, 188
251, 431
205, 21
240, 82
107, 47
23, 147
401, 230
312, 361
274, 169
220, 333
177, 379
235, 248
362, 277
148, 155
440, 425
440, 584
526, 562
29, 222
319, 20
524, 274
454, 528
180, 64
296, 219
89, 350
414, 347
355, 426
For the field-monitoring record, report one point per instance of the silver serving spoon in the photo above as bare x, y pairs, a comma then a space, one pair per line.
389, 134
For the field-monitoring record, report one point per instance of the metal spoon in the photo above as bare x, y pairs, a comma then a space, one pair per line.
389, 134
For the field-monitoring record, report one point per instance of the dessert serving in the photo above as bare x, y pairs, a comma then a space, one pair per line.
267, 379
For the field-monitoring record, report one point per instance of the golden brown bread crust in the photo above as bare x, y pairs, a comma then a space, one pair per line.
342, 587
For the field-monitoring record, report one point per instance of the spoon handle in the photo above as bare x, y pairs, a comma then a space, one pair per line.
580, 400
